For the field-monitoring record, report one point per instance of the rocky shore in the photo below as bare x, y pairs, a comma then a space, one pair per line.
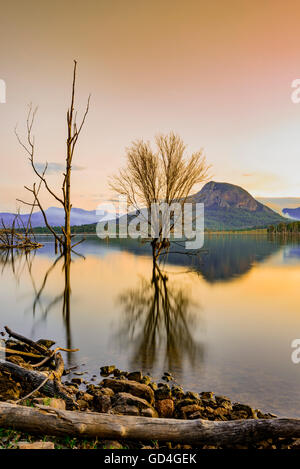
121, 393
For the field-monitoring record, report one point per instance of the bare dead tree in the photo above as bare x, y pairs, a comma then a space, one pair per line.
64, 199
161, 176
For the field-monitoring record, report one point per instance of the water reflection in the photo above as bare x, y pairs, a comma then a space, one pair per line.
158, 323
18, 262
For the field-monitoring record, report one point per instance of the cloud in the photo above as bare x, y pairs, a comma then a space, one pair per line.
54, 168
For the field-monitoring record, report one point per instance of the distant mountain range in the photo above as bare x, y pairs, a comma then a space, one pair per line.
292, 212
55, 216
226, 207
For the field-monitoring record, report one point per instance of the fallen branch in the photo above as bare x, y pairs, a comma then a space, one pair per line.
39, 348
48, 421
33, 380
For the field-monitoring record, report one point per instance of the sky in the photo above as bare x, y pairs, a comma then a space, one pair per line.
217, 72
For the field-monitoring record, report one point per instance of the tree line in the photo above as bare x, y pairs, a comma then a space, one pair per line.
292, 227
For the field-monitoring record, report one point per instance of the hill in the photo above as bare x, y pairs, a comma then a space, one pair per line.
227, 206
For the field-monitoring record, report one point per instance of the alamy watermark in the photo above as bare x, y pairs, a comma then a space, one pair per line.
2, 92
184, 221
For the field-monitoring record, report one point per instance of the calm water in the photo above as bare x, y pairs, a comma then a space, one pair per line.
222, 322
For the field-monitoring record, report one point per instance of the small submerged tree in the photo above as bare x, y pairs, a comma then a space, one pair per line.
161, 176
64, 199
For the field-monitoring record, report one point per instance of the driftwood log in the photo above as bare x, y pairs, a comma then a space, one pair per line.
33, 379
49, 421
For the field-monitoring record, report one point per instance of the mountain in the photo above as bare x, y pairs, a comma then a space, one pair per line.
227, 206
55, 216
292, 212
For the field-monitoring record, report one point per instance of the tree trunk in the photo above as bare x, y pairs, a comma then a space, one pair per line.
48, 421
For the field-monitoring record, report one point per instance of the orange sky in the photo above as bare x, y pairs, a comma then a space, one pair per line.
217, 72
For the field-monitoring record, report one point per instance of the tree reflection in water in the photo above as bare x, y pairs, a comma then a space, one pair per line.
159, 322
18, 261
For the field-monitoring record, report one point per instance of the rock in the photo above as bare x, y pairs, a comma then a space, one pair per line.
207, 395
149, 413
87, 397
166, 378
146, 380
135, 376
192, 395
8, 389
35, 445
131, 387
126, 410
111, 444
117, 373
165, 408
185, 402
102, 403
108, 392
77, 381
124, 398
107, 370
209, 402
296, 444
187, 410
83, 405
163, 392
177, 392
55, 403
153, 386
244, 409
224, 401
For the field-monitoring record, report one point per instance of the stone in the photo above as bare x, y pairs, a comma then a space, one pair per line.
87, 397
136, 389
187, 410
107, 370
163, 392
83, 405
146, 380
124, 398
165, 408
177, 392
107, 392
244, 408
207, 395
192, 395
224, 401
111, 444
135, 376
166, 378
153, 386
35, 445
184, 402
55, 403
126, 410
77, 381
102, 403
149, 413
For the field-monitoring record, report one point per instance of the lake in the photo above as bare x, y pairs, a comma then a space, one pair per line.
222, 321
